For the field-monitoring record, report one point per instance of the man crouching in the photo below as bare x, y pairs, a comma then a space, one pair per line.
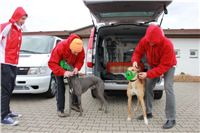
70, 50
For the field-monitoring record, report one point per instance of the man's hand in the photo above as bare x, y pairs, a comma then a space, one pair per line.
75, 71
68, 74
135, 66
142, 75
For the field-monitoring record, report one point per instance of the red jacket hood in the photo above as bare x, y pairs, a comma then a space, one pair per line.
18, 13
69, 40
154, 34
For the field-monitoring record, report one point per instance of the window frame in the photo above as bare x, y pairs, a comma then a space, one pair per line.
177, 53
196, 53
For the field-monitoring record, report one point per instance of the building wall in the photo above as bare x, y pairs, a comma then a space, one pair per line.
184, 62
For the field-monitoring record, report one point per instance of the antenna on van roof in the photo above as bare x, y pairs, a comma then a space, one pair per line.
165, 12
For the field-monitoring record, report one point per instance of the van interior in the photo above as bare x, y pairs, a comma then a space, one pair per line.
114, 49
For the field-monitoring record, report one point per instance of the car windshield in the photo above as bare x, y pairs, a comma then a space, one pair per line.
37, 44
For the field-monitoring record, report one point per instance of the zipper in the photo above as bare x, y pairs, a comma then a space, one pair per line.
153, 55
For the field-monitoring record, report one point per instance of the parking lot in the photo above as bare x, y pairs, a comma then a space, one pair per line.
39, 114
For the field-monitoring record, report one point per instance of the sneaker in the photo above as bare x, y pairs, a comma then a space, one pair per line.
9, 121
149, 116
62, 114
14, 115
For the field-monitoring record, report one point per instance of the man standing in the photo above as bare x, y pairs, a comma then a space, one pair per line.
161, 58
70, 50
10, 43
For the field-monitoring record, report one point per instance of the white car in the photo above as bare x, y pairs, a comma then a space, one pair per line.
33, 73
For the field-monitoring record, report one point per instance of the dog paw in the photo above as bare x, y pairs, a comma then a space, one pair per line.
128, 119
145, 121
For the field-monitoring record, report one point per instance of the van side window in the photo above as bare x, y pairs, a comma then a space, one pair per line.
57, 41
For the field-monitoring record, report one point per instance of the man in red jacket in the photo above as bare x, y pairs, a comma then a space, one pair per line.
71, 50
161, 59
10, 43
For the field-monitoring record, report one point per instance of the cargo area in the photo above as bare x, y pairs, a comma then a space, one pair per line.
114, 50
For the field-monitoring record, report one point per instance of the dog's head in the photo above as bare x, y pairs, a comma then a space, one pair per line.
132, 74
73, 80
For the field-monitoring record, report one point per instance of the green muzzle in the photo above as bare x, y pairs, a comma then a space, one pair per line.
130, 75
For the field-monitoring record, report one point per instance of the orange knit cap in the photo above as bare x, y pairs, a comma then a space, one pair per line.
76, 45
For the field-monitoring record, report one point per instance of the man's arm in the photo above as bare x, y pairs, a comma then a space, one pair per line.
4, 31
54, 62
165, 63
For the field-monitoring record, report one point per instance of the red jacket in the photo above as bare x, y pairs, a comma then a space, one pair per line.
11, 38
62, 51
161, 56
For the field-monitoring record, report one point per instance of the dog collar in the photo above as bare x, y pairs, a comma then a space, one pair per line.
133, 80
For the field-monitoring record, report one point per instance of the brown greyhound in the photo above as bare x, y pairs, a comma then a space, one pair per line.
136, 86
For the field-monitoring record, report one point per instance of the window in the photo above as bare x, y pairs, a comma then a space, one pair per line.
177, 52
57, 41
126, 14
193, 53
37, 44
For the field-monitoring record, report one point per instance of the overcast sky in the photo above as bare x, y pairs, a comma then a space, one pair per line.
46, 15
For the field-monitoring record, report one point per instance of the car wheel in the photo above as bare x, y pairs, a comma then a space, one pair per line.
158, 94
52, 88
93, 93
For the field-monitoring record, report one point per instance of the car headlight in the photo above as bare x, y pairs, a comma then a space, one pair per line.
38, 70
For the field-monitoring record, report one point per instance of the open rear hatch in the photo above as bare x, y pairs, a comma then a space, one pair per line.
126, 11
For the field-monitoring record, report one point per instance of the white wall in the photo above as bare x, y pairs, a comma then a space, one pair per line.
184, 62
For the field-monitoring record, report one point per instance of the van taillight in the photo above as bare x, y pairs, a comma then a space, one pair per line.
89, 58
90, 49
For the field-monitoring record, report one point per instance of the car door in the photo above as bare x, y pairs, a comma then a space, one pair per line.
126, 11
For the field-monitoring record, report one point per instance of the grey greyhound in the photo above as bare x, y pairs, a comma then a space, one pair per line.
78, 86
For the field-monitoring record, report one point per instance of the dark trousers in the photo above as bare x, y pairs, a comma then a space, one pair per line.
60, 94
8, 76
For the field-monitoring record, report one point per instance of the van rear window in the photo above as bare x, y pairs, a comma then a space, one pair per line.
127, 14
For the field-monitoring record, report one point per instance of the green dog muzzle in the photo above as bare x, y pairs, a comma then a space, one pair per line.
130, 75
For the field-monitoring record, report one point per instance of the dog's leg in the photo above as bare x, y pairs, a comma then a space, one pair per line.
144, 110
129, 107
103, 102
136, 107
70, 103
99, 89
80, 105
